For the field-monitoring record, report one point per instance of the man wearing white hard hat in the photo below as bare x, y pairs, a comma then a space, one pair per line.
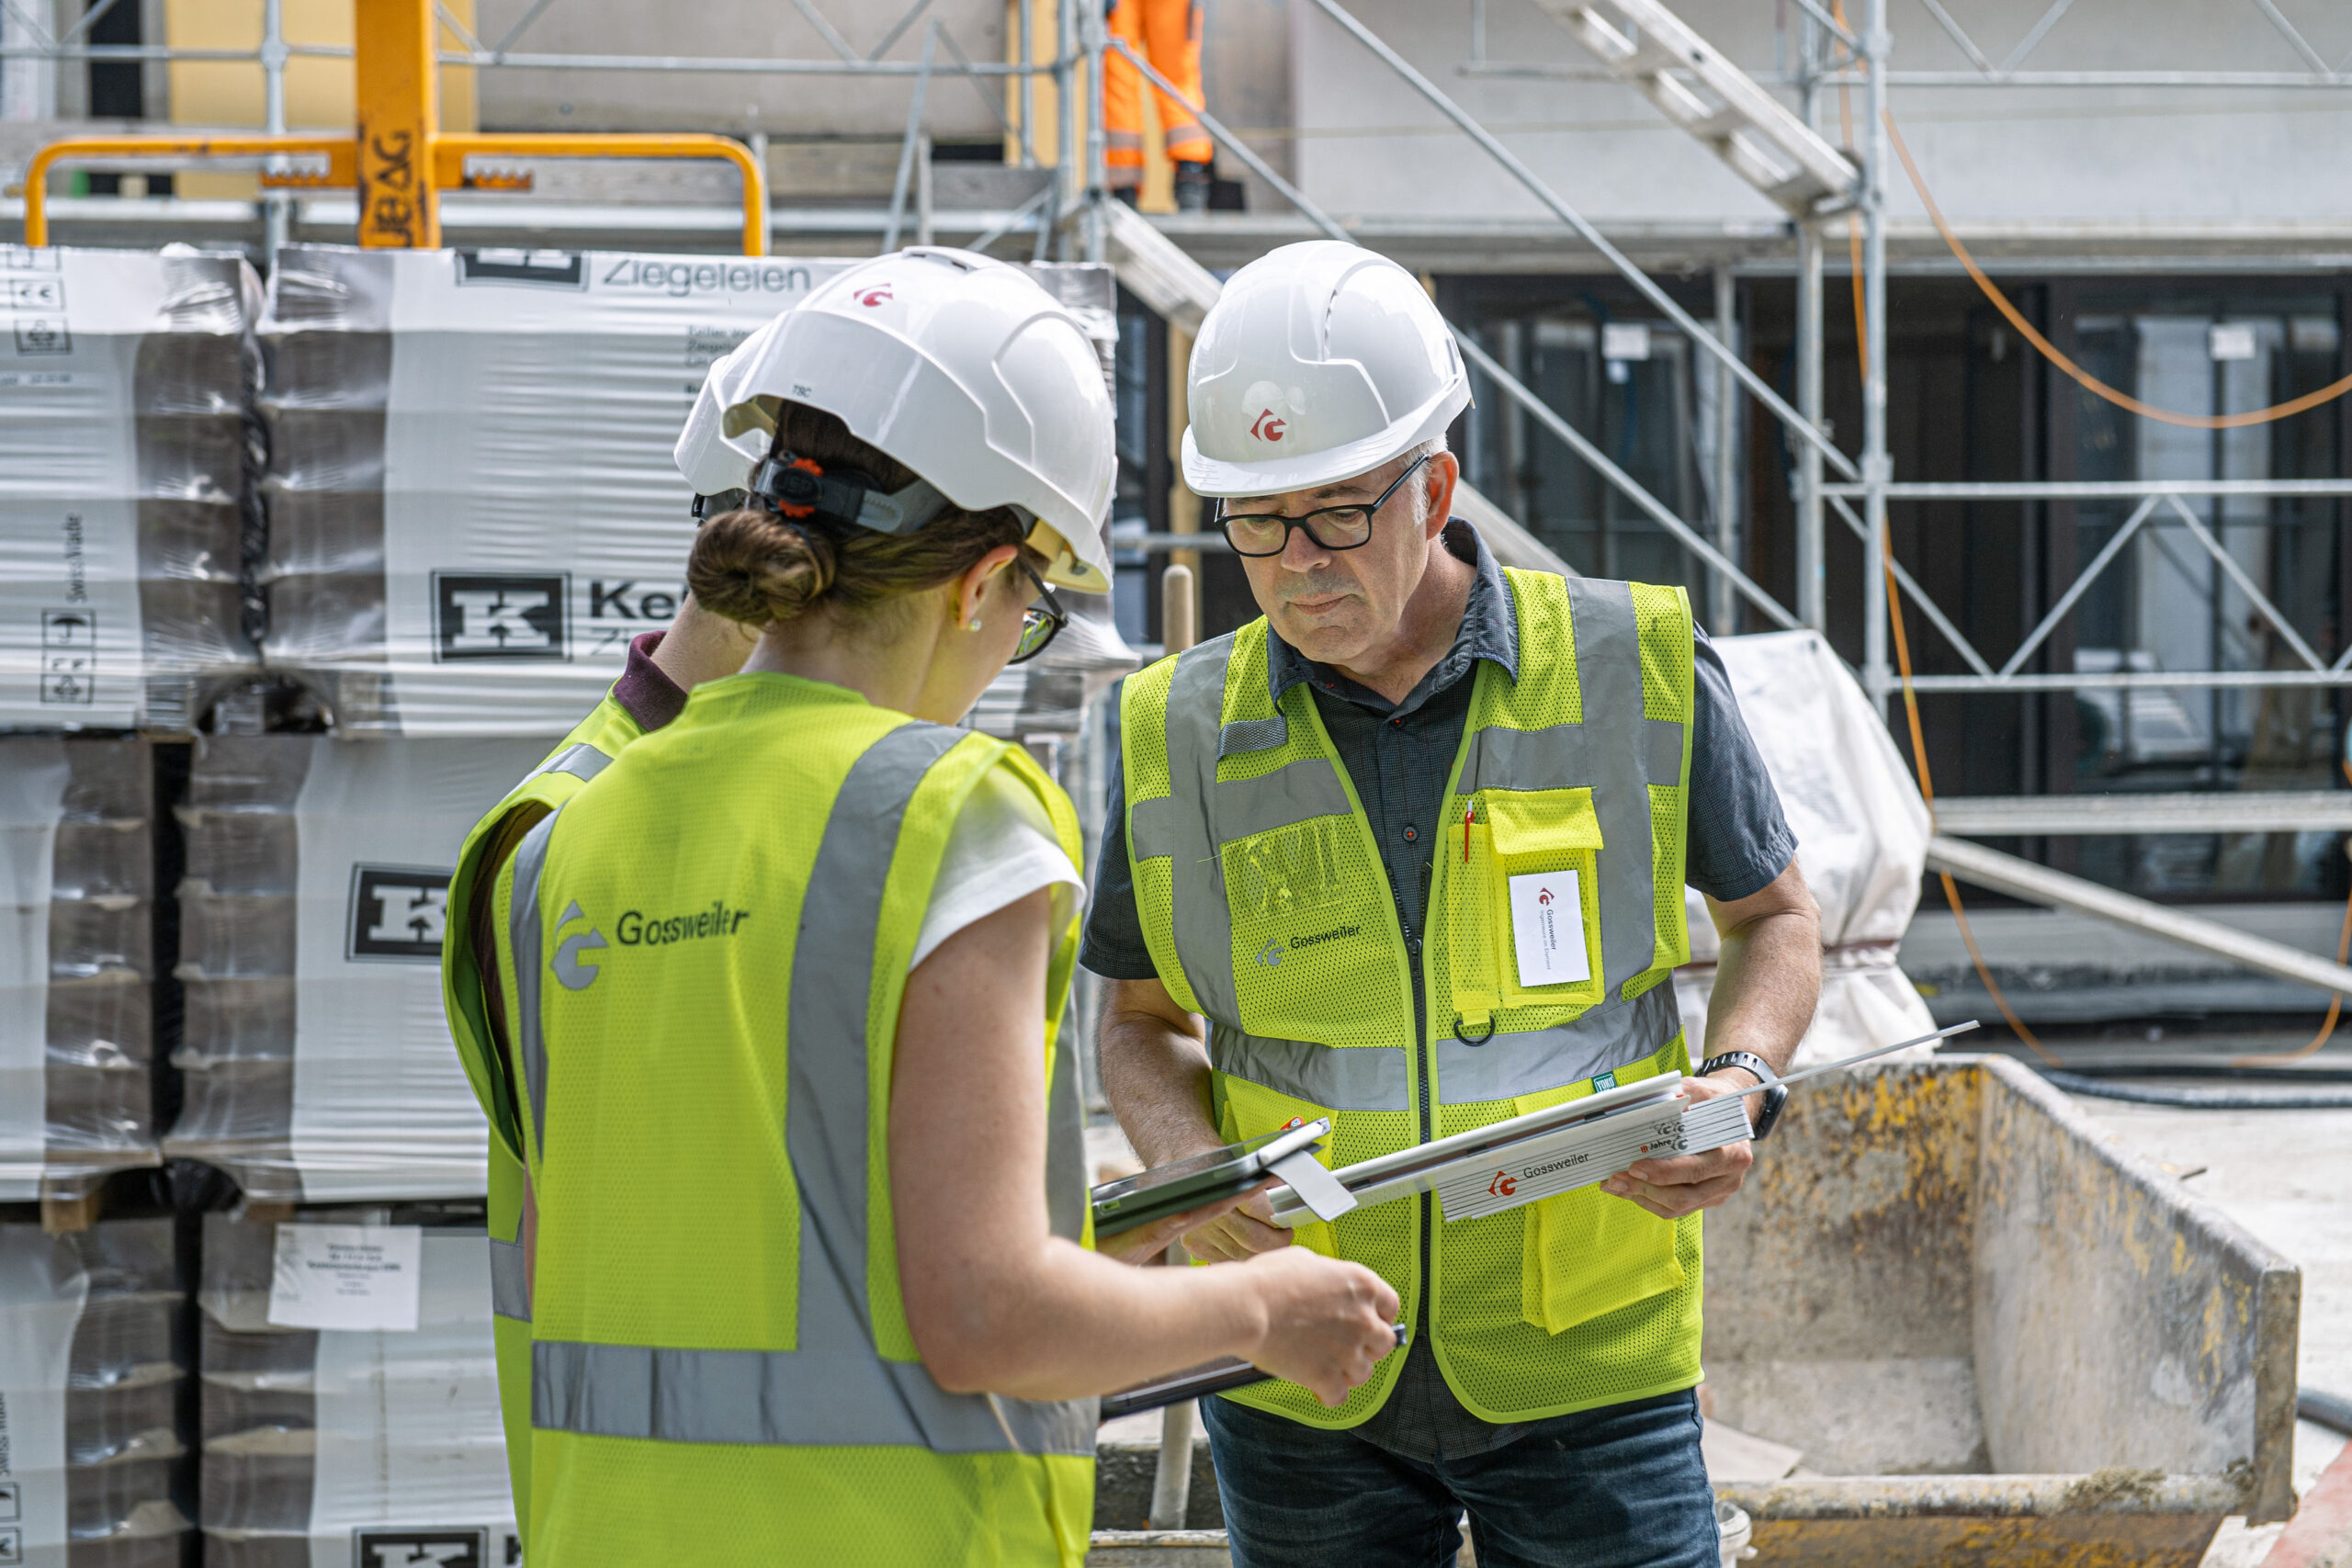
1319, 901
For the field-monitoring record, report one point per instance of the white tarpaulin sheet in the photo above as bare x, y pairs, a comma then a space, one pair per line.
1861, 832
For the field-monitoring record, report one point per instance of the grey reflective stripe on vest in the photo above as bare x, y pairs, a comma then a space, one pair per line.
1615, 1034
510, 1280
1354, 1077
1178, 827
523, 938
1253, 735
1594, 755
1065, 1183
834, 1389
582, 761
805, 1398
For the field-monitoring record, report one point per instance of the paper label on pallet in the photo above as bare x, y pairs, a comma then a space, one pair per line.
411, 1466
381, 1107
33, 776
346, 1277
42, 1288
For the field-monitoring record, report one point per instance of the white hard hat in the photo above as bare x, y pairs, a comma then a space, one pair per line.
959, 366
1320, 361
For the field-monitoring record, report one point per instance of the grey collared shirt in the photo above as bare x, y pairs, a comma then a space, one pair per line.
1400, 755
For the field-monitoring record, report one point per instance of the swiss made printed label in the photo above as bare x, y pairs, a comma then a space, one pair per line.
351, 1276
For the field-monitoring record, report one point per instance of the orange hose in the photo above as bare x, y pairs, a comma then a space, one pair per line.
2050, 351
1894, 594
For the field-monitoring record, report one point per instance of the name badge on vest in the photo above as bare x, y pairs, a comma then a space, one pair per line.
1547, 927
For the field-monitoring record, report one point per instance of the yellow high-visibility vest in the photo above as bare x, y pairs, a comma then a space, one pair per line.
702, 959
581, 756
1266, 910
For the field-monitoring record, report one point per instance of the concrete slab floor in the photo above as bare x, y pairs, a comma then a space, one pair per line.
2287, 1177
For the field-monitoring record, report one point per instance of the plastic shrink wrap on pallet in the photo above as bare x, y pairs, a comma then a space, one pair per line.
92, 1367
368, 1447
317, 1063
126, 438
472, 504
1861, 832
76, 962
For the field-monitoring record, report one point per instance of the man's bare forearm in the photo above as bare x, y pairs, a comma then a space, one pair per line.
1156, 1071
1767, 980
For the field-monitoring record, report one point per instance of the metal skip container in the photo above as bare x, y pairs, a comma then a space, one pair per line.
1994, 1335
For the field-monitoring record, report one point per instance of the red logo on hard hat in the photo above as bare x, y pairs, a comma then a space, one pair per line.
1267, 428
1501, 1185
875, 295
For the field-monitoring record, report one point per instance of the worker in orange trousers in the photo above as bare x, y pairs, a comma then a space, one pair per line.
1167, 33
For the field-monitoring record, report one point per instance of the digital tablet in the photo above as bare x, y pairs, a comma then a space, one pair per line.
1155, 1194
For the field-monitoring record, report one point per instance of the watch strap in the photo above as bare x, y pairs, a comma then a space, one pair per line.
1769, 1104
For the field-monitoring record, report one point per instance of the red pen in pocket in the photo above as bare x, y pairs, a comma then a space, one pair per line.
1469, 810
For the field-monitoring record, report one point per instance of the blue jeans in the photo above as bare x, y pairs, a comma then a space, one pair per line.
1622, 1486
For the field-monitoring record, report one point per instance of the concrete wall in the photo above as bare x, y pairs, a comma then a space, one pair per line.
781, 105
2181, 156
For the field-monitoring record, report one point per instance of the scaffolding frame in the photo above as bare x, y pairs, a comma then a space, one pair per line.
1832, 56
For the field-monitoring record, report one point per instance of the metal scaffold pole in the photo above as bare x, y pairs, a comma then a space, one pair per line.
1720, 605
1812, 584
1877, 464
1813, 607
1072, 173
278, 207
1098, 141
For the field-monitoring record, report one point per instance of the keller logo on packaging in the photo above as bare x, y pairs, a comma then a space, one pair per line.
480, 617
397, 913
421, 1549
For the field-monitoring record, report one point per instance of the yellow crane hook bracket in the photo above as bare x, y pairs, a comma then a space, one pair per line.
447, 162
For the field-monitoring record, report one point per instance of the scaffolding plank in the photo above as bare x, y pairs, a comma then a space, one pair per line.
1981, 867
2247, 811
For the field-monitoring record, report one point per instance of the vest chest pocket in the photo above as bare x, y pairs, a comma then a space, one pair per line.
1541, 897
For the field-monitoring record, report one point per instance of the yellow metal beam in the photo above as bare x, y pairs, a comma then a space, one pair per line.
450, 153
399, 115
342, 170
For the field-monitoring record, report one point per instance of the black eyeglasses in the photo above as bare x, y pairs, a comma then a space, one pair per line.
1332, 527
1041, 622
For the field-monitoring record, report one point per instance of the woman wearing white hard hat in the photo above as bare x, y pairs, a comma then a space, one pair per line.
785, 982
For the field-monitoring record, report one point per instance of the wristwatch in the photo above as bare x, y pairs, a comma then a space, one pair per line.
1775, 1096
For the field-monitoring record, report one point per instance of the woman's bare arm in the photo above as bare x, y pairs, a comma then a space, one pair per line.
995, 1302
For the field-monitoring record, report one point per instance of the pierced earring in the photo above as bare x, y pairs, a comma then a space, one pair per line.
973, 625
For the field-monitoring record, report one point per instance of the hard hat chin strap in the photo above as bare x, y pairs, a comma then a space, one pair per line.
801, 489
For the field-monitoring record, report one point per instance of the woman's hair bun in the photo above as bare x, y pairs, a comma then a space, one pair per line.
757, 568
